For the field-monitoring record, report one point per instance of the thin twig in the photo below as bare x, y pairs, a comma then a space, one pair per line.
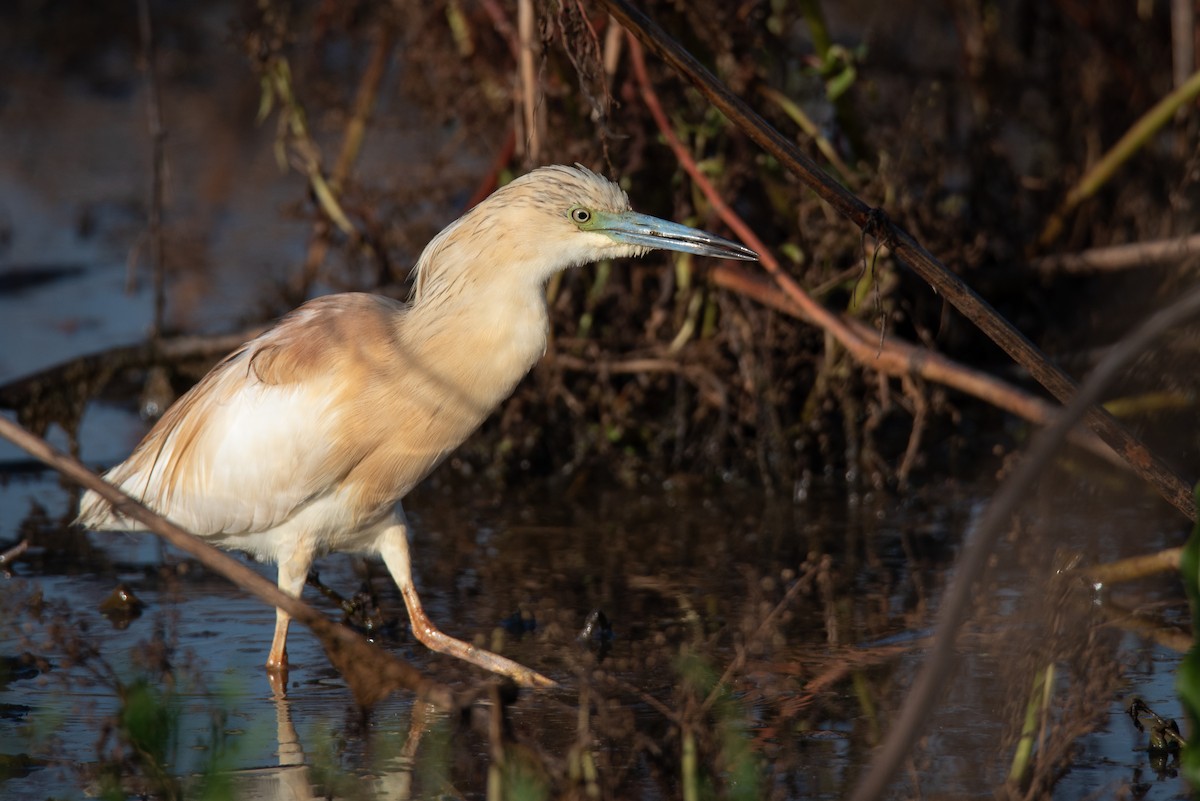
612, 50
66, 376
364, 102
1156, 631
1121, 257
503, 26
891, 356
1135, 567
329, 193
1183, 39
797, 115
837, 664
645, 697
530, 94
956, 603
701, 377
1132, 141
897, 357
802, 581
491, 179
370, 672
158, 135
875, 222
13, 553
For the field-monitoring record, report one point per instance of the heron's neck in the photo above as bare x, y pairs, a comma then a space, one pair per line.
483, 338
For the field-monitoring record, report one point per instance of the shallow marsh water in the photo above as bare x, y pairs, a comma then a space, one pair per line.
675, 574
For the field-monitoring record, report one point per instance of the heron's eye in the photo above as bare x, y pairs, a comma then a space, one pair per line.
580, 215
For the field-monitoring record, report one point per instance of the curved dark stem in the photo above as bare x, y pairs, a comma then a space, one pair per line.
995, 520
907, 249
158, 135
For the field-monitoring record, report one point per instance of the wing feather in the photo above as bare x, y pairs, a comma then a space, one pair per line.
258, 437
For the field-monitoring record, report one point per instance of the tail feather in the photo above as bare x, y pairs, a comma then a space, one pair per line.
97, 514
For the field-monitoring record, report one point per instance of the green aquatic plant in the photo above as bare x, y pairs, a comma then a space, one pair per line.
1188, 677
718, 759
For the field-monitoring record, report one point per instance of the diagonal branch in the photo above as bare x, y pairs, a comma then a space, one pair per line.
875, 223
371, 672
930, 682
892, 356
899, 358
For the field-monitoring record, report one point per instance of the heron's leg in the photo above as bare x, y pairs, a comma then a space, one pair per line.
393, 547
293, 570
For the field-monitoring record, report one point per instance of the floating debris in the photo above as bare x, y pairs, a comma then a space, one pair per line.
122, 606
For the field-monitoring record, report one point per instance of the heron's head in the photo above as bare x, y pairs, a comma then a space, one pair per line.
554, 218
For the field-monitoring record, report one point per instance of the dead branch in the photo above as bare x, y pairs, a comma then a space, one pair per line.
1133, 140
364, 102
352, 139
875, 223
88, 374
1135, 567
158, 135
893, 356
1183, 39
1167, 636
956, 604
899, 358
1121, 257
491, 179
13, 553
533, 110
371, 673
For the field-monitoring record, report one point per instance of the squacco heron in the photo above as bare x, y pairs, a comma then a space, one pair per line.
304, 440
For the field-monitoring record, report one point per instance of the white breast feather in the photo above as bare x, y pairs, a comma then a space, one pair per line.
261, 452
